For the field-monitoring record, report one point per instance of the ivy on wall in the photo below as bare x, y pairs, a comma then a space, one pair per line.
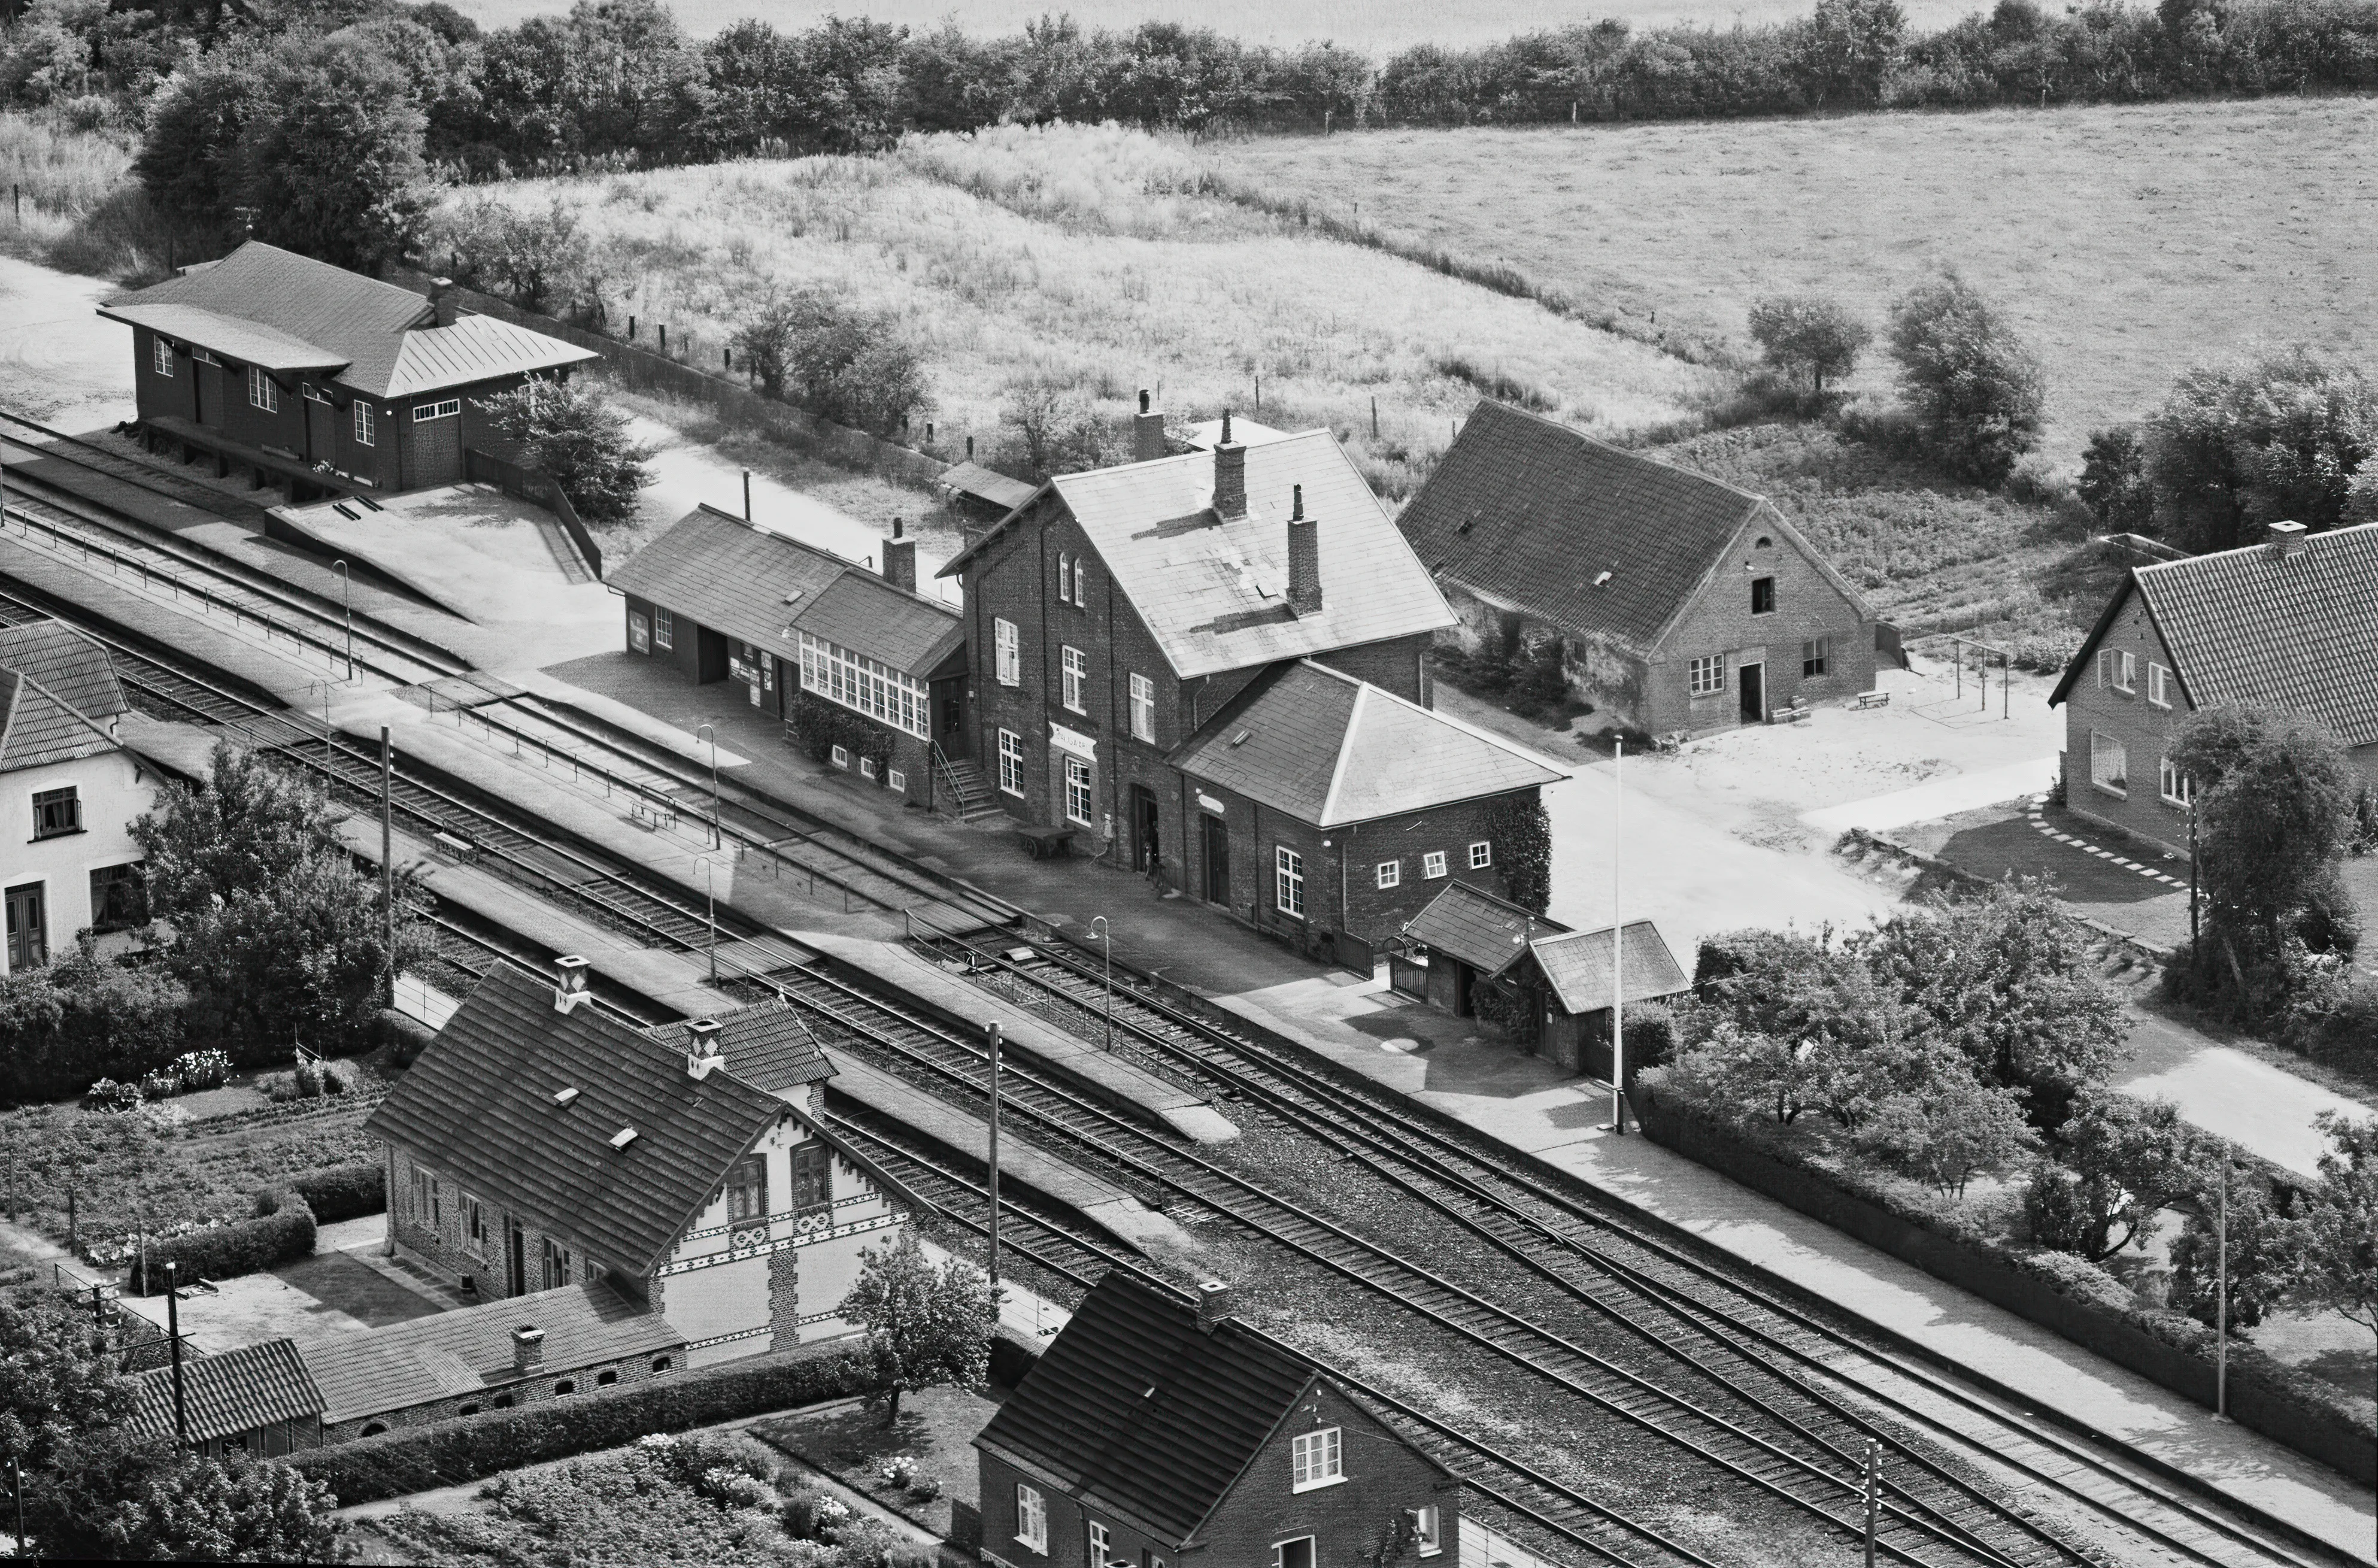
1522, 834
818, 726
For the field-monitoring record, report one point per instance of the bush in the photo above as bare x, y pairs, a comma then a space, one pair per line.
107, 1094
200, 1071
819, 726
343, 1192
401, 1035
536, 259
570, 432
283, 1230
450, 1452
838, 360
1808, 335
1975, 389
83, 1018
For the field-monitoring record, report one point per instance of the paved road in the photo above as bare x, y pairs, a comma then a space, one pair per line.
58, 361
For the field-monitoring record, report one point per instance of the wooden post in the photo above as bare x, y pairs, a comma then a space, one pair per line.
173, 1329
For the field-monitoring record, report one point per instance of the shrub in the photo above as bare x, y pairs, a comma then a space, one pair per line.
535, 257
401, 1035
800, 1514
450, 1452
162, 1084
839, 360
819, 726
107, 1094
200, 1071
1973, 386
343, 1192
570, 432
2113, 483
283, 1230
82, 1018
1651, 1036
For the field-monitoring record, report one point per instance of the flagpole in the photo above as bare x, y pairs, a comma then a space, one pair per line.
1617, 944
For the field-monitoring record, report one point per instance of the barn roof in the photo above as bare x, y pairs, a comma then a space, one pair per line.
2297, 631
1328, 749
1599, 540
234, 1391
268, 306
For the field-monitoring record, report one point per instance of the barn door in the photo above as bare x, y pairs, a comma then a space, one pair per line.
437, 444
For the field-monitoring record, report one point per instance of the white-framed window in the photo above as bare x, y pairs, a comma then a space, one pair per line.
1075, 665
58, 812
1816, 656
261, 392
1031, 1517
867, 767
1143, 708
1077, 793
1288, 884
1482, 855
2109, 763
363, 436
860, 684
1008, 646
1010, 762
842, 757
1432, 864
1082, 583
161, 356
1102, 1545
2171, 784
2117, 670
897, 781
1427, 1530
424, 412
1065, 579
1315, 1460
663, 628
1392, 873
1709, 675
1302, 1552
2158, 686
201, 356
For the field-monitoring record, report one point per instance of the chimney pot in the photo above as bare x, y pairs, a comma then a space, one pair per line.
1229, 474
1304, 560
569, 983
441, 300
1213, 1304
528, 1347
896, 528
2285, 537
702, 1040
1143, 399
1147, 431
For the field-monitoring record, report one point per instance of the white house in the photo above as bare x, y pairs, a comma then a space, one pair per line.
69, 793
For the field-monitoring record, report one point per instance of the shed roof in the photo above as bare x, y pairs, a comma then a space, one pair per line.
479, 1105
766, 589
1213, 590
1576, 966
1328, 749
233, 1390
2297, 631
1133, 1405
1532, 511
265, 305
446, 1353
987, 486
1471, 924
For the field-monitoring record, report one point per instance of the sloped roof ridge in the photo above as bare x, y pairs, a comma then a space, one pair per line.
1626, 454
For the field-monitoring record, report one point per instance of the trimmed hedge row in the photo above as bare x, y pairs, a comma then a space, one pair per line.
2054, 1289
343, 1192
282, 1229
450, 1452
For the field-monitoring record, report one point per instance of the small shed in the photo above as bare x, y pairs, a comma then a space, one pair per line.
256, 1399
1569, 974
981, 497
1466, 939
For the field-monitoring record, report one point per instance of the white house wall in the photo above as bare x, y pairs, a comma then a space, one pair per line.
112, 789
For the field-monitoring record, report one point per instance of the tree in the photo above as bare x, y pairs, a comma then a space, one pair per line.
191, 158
924, 1326
2285, 437
2339, 1220
249, 825
2123, 1160
1947, 1131
850, 365
2113, 483
2265, 1253
570, 431
1849, 46
768, 343
338, 104
56, 1381
1975, 389
1810, 336
68, 1023
1063, 432
536, 257
195, 1509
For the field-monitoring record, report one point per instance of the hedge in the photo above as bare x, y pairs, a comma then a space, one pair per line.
404, 1037
451, 1453
343, 1192
283, 1230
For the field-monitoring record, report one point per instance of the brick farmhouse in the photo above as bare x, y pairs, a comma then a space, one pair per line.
1681, 604
2291, 624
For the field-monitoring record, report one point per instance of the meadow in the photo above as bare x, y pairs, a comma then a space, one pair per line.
2128, 243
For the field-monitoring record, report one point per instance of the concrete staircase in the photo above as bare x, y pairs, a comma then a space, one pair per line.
962, 779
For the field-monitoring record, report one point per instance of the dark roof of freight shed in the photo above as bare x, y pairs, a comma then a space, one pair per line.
479, 1105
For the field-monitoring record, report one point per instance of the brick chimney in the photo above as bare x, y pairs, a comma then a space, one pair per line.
528, 1348
1230, 475
900, 558
2285, 537
442, 301
1303, 559
1147, 431
702, 1040
569, 983
1213, 1304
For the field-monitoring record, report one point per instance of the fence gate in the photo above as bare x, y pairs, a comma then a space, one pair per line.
1407, 976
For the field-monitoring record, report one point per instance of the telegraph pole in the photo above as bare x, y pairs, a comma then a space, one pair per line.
1617, 947
2221, 1294
388, 856
174, 1332
994, 1153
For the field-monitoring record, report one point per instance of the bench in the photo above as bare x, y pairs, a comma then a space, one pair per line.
1874, 698
454, 849
1790, 715
1046, 843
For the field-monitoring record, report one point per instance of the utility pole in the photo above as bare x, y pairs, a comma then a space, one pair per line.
747, 495
387, 854
715, 842
174, 1332
347, 603
1873, 1494
2221, 1294
993, 1028
1617, 947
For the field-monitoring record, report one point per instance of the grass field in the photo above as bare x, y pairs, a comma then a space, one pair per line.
2127, 242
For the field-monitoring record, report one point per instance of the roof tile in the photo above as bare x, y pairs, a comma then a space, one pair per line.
1577, 965
234, 1391
1471, 924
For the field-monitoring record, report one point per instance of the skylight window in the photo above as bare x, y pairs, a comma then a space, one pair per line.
625, 1136
563, 1096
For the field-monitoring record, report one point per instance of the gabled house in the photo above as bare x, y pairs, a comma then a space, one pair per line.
1110, 617
718, 599
2291, 623
1161, 1434
299, 373
70, 790
1681, 604
540, 1143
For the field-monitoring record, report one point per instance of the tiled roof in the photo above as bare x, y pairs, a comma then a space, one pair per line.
1530, 511
767, 1045
1485, 932
984, 485
1577, 965
766, 589
1213, 591
1132, 1405
234, 1391
1328, 749
478, 1108
446, 1353
70, 666
264, 305
2248, 626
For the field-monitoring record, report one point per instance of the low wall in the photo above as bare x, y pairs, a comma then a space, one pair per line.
2259, 1392
528, 485
644, 369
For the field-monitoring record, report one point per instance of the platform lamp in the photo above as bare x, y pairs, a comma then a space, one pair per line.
1105, 934
1617, 947
347, 605
715, 842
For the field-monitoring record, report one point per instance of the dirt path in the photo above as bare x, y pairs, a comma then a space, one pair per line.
58, 361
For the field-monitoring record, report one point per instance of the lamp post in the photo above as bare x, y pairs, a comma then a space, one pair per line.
712, 730
2221, 1292
992, 1028
1617, 948
347, 605
710, 891
1099, 930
